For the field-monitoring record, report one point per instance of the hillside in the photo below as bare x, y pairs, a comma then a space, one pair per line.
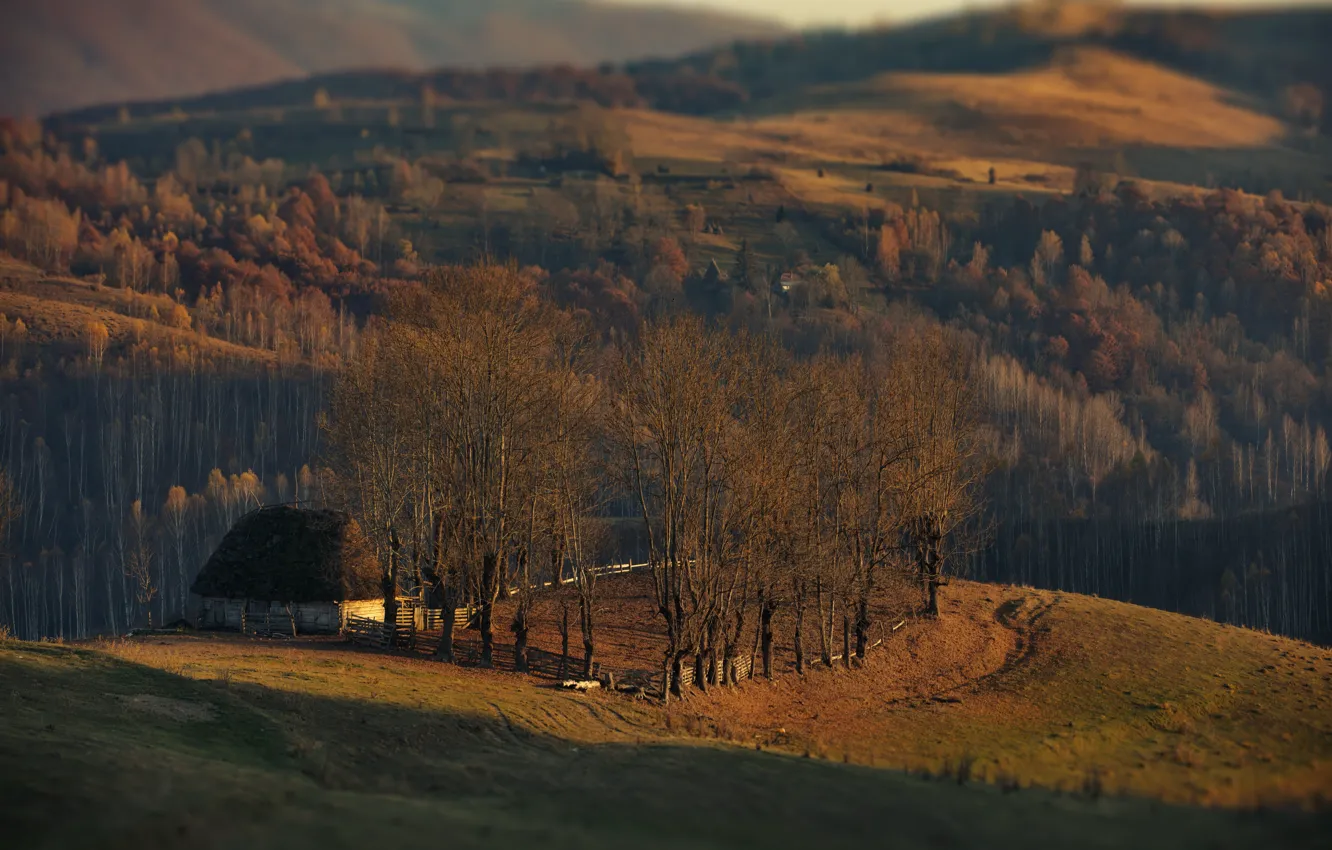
68, 53
1038, 687
1034, 126
152, 741
1259, 51
57, 312
1177, 99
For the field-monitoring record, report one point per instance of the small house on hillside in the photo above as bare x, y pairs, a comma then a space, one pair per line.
299, 568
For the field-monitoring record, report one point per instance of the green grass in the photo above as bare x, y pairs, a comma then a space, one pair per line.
257, 744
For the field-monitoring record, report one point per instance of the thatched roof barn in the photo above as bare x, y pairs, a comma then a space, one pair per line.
292, 555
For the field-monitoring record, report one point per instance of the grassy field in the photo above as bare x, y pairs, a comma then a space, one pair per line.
216, 741
1065, 691
1030, 687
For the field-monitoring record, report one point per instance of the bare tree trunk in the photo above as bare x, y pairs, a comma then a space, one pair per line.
520, 641
445, 651
846, 639
799, 637
862, 627
448, 603
826, 621
585, 614
766, 610
930, 572
390, 587
489, 575
716, 671
589, 657
564, 638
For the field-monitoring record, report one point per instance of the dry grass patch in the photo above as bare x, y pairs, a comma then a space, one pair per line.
1158, 704
314, 745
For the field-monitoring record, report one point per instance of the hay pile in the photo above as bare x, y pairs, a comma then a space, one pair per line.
289, 554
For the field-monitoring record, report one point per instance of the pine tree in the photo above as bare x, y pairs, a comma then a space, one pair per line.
745, 266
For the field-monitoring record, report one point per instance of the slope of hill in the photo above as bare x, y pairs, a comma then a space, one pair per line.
68, 53
1035, 687
1086, 105
1085, 97
1200, 99
155, 741
1063, 690
1258, 51
57, 312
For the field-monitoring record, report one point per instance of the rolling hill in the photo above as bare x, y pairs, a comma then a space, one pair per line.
1260, 51
61, 54
57, 312
155, 741
1177, 99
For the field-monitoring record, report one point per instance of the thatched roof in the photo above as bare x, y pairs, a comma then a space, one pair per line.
288, 554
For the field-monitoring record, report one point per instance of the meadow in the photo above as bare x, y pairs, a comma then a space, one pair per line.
1036, 716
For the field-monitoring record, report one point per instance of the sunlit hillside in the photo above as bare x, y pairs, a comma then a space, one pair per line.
1013, 693
1084, 98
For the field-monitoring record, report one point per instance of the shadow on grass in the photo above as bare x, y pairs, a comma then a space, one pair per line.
99, 752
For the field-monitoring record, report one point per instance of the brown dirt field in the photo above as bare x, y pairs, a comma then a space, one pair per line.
924, 660
630, 639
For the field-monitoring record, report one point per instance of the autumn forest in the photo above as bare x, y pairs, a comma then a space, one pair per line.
1125, 383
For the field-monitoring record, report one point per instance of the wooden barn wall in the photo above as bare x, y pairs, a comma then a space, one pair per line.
311, 617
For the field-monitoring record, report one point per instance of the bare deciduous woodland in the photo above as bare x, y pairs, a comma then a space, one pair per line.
253, 298
490, 450
913, 434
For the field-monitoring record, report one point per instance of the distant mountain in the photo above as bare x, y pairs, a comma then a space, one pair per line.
62, 54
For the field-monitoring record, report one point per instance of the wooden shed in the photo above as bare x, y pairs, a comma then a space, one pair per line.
288, 570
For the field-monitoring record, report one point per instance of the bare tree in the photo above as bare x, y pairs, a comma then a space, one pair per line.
674, 394
139, 559
9, 513
574, 484
946, 461
372, 431
493, 343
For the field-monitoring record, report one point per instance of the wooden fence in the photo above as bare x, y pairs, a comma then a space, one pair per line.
543, 663
364, 631
610, 569
743, 666
267, 624
420, 630
377, 634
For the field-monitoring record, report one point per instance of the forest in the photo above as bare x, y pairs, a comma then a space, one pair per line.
483, 444
1145, 373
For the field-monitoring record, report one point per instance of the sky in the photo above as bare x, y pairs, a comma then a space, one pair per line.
860, 12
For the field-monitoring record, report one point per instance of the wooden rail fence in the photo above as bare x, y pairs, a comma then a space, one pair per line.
743, 666
267, 624
420, 630
377, 634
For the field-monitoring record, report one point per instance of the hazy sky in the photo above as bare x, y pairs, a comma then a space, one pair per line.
807, 12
